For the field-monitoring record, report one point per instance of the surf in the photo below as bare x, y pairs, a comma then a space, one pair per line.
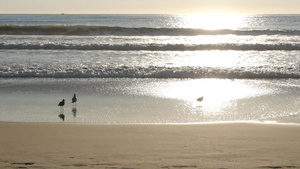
152, 47
41, 71
87, 30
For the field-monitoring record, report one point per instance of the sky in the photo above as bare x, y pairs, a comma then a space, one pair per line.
150, 6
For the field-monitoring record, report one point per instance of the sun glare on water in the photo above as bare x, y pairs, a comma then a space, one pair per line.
214, 21
216, 92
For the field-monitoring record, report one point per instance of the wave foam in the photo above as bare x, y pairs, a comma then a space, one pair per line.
153, 47
149, 72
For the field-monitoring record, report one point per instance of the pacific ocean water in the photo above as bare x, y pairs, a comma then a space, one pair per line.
149, 68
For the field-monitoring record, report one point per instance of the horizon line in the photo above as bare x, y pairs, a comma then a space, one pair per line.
208, 13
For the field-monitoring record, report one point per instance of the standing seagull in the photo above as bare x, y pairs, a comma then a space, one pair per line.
62, 103
74, 110
74, 99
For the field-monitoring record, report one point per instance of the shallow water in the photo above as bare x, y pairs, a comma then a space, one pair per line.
122, 100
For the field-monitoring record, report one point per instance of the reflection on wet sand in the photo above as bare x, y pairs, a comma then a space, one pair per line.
74, 111
61, 116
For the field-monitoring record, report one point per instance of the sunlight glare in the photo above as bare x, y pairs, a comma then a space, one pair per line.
214, 21
218, 93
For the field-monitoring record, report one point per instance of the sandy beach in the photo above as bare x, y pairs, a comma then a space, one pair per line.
227, 145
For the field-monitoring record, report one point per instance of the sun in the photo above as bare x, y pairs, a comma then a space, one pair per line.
214, 21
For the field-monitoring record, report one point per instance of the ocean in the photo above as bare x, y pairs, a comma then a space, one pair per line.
129, 69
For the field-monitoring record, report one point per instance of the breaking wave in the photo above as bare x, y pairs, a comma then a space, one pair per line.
126, 31
153, 47
146, 72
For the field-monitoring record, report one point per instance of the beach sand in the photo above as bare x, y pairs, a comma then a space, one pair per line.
224, 145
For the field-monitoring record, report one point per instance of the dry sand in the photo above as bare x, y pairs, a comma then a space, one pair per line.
229, 145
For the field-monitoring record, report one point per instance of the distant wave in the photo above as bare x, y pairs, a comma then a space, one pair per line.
124, 31
15, 71
152, 47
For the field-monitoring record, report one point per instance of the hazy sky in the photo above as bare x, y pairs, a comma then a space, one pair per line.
150, 6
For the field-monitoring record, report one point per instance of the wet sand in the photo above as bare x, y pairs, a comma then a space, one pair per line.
226, 145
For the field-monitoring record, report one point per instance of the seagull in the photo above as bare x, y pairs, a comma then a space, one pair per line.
74, 99
62, 103
200, 99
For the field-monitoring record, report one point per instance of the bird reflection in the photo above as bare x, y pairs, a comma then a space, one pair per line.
74, 111
61, 116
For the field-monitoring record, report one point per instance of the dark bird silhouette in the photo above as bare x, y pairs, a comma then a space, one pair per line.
200, 99
62, 103
62, 116
74, 99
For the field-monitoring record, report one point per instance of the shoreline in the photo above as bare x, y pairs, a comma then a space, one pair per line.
259, 122
218, 145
